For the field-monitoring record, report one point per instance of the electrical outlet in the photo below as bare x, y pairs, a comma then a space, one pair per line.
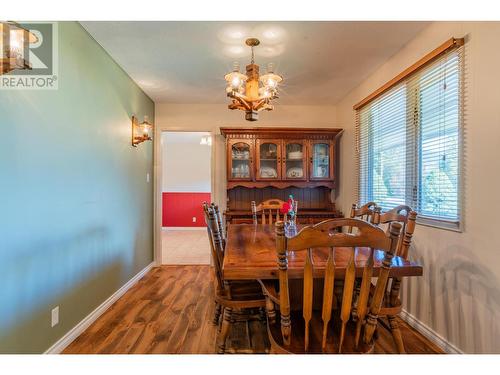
147, 177
194, 219
55, 316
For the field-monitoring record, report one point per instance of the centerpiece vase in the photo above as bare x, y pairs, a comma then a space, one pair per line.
291, 218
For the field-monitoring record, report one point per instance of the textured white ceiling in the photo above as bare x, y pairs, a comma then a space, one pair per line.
185, 62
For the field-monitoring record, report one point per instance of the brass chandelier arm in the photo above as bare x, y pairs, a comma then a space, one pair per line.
269, 107
239, 96
237, 104
242, 102
260, 104
242, 99
266, 106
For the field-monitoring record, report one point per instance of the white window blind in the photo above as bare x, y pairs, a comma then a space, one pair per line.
409, 143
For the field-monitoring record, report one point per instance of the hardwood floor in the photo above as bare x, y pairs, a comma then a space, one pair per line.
170, 310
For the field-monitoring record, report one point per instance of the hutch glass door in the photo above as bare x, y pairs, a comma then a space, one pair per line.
321, 160
294, 160
241, 161
268, 160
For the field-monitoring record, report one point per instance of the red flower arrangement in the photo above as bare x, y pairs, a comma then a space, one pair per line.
287, 207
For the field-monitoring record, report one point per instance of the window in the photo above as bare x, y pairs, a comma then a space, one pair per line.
409, 143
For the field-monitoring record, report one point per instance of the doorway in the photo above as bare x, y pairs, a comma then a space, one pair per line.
186, 184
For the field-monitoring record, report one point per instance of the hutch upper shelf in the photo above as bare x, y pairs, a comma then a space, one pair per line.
281, 157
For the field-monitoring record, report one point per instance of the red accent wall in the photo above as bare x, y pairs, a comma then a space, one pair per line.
180, 208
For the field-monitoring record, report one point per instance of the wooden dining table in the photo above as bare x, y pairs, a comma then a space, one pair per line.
250, 254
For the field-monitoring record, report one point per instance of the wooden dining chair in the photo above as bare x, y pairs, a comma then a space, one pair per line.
400, 214
365, 212
229, 296
309, 330
392, 306
217, 255
269, 211
220, 224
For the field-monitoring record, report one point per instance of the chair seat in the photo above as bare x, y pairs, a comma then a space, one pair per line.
316, 326
241, 290
269, 289
241, 295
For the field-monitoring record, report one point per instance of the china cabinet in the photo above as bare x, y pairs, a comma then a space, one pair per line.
265, 163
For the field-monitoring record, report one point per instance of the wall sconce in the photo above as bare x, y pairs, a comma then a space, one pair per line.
14, 44
141, 132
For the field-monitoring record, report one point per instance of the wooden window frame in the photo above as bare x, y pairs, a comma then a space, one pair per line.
424, 61
446, 47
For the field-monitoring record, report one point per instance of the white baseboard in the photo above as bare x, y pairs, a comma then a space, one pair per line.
184, 228
429, 333
77, 330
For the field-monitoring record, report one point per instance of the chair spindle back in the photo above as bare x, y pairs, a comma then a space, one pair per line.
216, 245
220, 224
407, 218
325, 235
269, 211
365, 212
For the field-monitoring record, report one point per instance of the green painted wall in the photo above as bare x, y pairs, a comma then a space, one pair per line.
75, 208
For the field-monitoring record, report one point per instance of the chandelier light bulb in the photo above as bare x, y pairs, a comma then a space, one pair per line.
236, 82
264, 92
271, 83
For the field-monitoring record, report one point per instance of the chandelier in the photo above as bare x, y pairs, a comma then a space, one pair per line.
252, 93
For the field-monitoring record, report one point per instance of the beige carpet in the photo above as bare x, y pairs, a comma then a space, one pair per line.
185, 246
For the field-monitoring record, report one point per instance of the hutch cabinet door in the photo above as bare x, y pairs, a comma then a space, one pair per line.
321, 159
240, 160
294, 160
268, 155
